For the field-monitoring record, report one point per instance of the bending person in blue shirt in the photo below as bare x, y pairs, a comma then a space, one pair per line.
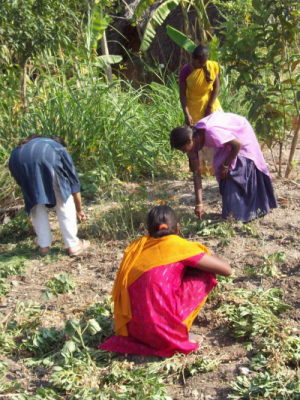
45, 171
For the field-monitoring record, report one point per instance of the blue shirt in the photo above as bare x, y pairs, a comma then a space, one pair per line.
34, 165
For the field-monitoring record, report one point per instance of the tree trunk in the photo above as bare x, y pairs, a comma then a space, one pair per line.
280, 159
293, 149
104, 49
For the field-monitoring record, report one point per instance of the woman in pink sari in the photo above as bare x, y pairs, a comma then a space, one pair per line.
162, 284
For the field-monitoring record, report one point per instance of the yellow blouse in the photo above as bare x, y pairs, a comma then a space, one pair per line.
198, 90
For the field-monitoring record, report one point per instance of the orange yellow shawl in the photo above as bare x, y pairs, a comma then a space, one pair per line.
140, 256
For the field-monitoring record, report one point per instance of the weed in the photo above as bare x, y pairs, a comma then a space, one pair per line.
26, 317
123, 220
41, 394
248, 229
282, 385
42, 341
7, 386
209, 228
252, 313
4, 287
281, 349
10, 264
223, 282
17, 229
102, 314
200, 366
269, 266
60, 283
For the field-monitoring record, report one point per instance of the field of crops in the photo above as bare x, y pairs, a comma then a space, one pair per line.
55, 310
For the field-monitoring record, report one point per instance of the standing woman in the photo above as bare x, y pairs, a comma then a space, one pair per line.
199, 85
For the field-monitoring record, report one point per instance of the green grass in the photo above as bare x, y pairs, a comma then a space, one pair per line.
112, 131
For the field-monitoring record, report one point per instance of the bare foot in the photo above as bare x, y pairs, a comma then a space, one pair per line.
194, 338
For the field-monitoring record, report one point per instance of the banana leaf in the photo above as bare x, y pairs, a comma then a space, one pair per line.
180, 39
157, 18
142, 6
104, 61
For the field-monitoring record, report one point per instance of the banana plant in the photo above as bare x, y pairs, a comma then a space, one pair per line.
98, 23
162, 11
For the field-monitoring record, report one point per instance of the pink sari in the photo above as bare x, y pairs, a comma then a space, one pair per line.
161, 300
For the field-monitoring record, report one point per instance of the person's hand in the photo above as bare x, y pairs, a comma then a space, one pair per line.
224, 171
199, 210
80, 215
188, 120
208, 111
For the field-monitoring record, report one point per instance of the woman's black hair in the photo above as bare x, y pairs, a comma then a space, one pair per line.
31, 137
180, 136
202, 52
157, 218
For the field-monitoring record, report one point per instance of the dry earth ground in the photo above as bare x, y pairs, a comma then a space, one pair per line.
94, 274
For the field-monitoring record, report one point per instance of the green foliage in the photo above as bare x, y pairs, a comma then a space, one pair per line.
11, 263
282, 385
209, 228
253, 313
99, 23
142, 7
25, 317
7, 386
16, 229
231, 97
125, 216
223, 231
161, 12
60, 283
32, 26
107, 128
201, 365
157, 18
269, 266
283, 349
102, 314
42, 341
261, 43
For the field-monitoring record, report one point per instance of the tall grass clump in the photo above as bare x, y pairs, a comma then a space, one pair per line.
111, 129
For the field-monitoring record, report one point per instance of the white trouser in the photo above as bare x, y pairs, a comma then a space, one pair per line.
67, 218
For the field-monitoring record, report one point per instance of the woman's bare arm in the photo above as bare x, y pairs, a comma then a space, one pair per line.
78, 206
214, 264
213, 96
195, 167
235, 148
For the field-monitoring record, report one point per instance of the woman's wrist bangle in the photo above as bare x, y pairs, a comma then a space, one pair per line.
199, 204
225, 166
